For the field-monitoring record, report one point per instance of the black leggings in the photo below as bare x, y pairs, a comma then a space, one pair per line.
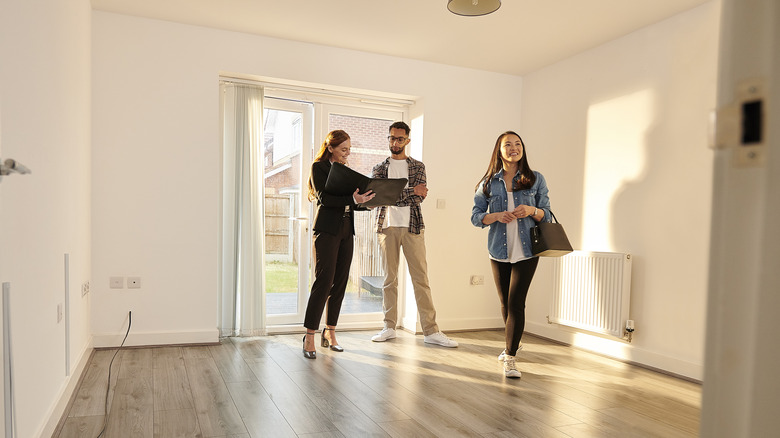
512, 282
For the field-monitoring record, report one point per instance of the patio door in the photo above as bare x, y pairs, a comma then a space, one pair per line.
368, 130
288, 128
294, 128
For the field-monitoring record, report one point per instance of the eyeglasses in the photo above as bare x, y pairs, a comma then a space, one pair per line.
392, 139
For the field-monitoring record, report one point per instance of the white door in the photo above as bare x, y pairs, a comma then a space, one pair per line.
368, 130
294, 129
289, 131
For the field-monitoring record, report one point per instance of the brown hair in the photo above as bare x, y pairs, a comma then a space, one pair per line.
527, 176
333, 139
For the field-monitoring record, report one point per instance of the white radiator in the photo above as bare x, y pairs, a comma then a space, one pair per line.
591, 291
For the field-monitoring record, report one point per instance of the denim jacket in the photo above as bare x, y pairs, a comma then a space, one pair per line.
536, 196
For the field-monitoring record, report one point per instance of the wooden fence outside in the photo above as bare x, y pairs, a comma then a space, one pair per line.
281, 241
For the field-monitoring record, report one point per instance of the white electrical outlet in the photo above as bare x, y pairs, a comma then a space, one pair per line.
133, 282
59, 312
477, 280
116, 282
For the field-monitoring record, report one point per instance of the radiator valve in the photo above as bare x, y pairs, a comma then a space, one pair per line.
629, 330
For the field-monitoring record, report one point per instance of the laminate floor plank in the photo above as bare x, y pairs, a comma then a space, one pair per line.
161, 355
91, 396
406, 428
264, 387
347, 418
642, 425
176, 423
298, 409
251, 348
329, 434
217, 415
196, 352
172, 390
364, 398
132, 411
418, 409
136, 362
230, 362
499, 410
342, 412
259, 413
272, 377
80, 427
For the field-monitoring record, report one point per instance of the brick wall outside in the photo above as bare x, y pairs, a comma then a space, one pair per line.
369, 140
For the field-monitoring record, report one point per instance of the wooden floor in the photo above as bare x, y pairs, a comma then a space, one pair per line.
264, 387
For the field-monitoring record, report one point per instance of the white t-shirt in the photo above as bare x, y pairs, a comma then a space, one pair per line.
514, 248
397, 216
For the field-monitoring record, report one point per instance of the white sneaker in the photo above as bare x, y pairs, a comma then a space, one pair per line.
510, 370
384, 335
503, 353
440, 338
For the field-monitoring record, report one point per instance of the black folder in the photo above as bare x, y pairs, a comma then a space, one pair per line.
343, 181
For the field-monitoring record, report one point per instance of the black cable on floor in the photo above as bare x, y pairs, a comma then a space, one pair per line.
108, 386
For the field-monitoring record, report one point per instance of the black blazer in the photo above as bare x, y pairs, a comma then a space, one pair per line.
328, 208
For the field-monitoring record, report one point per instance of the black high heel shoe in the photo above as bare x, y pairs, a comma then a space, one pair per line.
325, 343
308, 354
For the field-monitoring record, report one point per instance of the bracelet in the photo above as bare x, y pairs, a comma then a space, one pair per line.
535, 210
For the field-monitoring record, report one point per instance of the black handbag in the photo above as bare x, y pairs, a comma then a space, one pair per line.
548, 239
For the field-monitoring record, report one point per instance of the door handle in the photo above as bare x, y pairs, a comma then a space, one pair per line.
300, 219
10, 166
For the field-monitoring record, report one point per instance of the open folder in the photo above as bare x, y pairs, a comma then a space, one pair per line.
343, 181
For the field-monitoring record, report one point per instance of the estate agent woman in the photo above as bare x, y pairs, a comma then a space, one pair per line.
510, 199
333, 231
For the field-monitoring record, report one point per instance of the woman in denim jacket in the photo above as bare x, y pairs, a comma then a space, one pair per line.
510, 199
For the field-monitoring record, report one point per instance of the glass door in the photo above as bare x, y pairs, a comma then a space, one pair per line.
294, 128
368, 130
288, 141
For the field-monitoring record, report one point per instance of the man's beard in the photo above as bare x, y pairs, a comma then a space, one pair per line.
397, 151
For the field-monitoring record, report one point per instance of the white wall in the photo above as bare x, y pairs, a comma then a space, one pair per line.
45, 125
156, 165
646, 99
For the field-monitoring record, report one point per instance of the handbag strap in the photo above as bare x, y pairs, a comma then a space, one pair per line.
555, 219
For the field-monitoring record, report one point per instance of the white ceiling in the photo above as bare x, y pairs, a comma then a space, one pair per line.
522, 36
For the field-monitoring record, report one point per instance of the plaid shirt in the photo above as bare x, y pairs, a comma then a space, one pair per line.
408, 198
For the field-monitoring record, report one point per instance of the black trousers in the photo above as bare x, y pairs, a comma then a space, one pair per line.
512, 281
332, 259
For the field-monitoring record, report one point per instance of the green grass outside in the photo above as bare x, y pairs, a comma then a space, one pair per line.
281, 277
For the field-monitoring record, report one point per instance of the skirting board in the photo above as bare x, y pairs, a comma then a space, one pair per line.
70, 384
619, 350
156, 338
455, 325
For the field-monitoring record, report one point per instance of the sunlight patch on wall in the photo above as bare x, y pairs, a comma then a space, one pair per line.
615, 154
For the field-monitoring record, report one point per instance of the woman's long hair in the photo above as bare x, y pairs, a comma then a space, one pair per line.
333, 139
527, 176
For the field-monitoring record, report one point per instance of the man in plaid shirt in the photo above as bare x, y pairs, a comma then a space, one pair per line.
402, 225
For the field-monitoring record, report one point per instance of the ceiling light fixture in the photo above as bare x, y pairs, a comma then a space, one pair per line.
473, 8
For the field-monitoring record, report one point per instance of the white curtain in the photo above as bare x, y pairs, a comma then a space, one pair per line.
242, 288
